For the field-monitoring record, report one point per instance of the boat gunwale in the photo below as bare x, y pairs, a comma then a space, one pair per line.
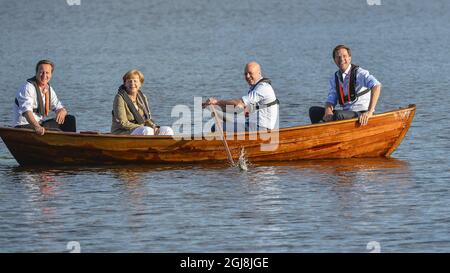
410, 107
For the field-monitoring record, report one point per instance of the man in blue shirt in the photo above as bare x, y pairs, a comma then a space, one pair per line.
356, 90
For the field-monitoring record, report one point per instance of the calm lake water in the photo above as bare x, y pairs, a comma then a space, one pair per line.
199, 48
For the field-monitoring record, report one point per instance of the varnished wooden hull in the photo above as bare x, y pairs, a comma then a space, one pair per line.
341, 139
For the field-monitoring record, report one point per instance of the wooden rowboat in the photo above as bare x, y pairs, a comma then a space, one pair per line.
340, 139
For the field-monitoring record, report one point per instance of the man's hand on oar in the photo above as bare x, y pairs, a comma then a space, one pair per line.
210, 101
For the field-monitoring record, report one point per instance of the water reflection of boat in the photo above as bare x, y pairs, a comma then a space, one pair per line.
344, 164
341, 139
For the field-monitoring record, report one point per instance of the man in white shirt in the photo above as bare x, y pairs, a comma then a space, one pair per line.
36, 98
260, 101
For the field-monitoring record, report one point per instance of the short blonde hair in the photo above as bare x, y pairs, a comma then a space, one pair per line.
131, 73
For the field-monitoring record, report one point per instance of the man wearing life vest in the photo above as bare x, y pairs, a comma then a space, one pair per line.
36, 98
260, 101
355, 89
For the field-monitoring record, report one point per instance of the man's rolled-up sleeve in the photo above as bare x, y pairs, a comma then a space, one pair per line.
26, 99
332, 96
246, 100
368, 80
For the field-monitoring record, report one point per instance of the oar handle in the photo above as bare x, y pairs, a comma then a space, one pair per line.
219, 128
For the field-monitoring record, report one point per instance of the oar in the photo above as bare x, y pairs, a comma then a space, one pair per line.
219, 128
